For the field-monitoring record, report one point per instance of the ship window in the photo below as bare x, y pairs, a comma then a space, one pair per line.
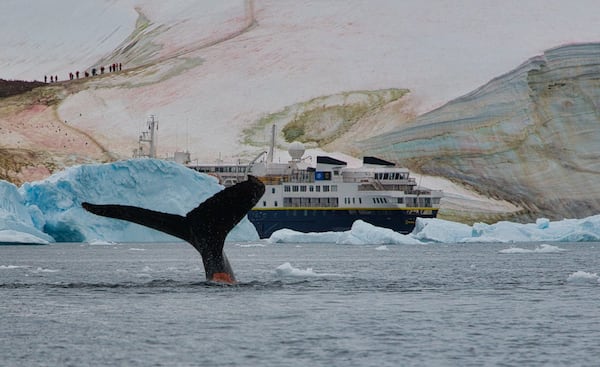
311, 188
334, 188
317, 188
400, 200
275, 204
295, 188
286, 188
325, 188
264, 203
273, 190
353, 202
303, 188
386, 176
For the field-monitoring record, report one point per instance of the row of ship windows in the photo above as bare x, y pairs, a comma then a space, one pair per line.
390, 176
306, 202
333, 202
309, 188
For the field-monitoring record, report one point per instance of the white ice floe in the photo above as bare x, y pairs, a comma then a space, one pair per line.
286, 270
543, 248
583, 277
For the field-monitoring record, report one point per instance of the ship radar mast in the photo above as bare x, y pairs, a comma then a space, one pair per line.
148, 137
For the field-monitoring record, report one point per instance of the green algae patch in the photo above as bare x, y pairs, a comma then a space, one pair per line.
321, 120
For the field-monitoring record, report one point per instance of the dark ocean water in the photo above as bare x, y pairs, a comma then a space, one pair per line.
427, 305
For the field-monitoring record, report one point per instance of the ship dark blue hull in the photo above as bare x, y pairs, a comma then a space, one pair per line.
324, 220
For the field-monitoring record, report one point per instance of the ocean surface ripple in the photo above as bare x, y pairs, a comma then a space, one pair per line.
298, 305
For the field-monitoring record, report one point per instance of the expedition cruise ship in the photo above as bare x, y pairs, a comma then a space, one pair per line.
330, 196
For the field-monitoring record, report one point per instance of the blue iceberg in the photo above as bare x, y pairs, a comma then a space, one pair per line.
50, 210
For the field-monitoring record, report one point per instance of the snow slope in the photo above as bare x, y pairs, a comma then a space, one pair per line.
199, 87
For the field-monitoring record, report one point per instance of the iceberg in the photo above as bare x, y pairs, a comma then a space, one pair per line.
18, 222
51, 209
433, 230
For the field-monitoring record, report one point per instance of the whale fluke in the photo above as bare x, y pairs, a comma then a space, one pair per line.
205, 227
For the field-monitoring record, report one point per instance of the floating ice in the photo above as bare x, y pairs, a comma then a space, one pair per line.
543, 248
361, 233
98, 242
430, 230
50, 210
19, 223
583, 277
286, 270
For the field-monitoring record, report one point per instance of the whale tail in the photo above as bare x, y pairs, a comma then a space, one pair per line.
205, 227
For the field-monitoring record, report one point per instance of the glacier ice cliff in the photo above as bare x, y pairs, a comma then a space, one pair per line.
50, 210
530, 136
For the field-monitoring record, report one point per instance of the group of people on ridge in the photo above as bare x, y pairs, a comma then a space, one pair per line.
93, 72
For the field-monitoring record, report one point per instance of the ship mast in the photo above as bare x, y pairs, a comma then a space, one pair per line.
271, 145
149, 137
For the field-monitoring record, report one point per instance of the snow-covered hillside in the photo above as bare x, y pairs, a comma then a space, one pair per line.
206, 88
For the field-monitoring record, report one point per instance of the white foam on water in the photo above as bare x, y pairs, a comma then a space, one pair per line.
247, 245
10, 267
43, 270
98, 242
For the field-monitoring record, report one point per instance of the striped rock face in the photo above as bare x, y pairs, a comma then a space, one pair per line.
529, 136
